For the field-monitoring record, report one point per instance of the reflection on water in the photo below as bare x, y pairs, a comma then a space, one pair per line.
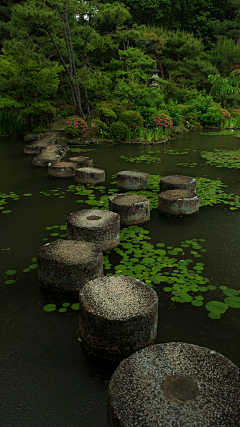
47, 377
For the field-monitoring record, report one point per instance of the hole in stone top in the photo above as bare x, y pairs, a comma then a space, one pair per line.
93, 217
180, 389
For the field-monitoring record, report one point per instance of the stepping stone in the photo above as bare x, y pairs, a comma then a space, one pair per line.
117, 316
175, 384
178, 203
95, 226
132, 180
132, 208
81, 161
51, 154
181, 182
89, 175
67, 265
61, 170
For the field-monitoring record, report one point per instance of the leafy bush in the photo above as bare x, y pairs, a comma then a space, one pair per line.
133, 119
101, 128
41, 113
39, 129
10, 122
76, 127
107, 115
111, 111
190, 120
175, 112
65, 110
118, 131
161, 119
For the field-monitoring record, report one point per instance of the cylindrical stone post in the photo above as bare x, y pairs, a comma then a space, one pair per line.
174, 384
132, 208
178, 182
132, 180
61, 170
96, 226
66, 265
178, 203
81, 161
117, 316
88, 175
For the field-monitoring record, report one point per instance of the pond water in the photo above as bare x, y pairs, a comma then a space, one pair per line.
47, 378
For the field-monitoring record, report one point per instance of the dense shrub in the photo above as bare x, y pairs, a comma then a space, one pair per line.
132, 119
161, 119
118, 131
100, 128
10, 122
111, 111
175, 112
65, 110
190, 120
76, 127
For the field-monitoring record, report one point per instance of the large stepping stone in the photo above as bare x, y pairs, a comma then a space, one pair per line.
132, 208
180, 182
38, 146
82, 161
51, 154
95, 226
175, 384
132, 180
178, 203
67, 265
117, 316
61, 170
89, 175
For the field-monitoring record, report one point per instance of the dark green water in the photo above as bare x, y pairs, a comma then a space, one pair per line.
47, 378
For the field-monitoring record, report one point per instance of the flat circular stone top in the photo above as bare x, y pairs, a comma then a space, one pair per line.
90, 170
178, 194
176, 384
79, 159
64, 164
89, 218
178, 179
136, 174
70, 251
128, 199
117, 297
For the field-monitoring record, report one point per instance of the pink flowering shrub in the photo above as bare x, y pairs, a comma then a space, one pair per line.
76, 127
161, 119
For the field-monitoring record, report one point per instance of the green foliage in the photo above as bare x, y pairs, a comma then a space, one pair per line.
10, 122
190, 120
225, 90
101, 128
132, 119
118, 131
225, 54
175, 112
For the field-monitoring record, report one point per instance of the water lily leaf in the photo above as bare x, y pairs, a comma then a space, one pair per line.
50, 307
10, 282
27, 194
10, 272
217, 306
26, 270
6, 211
212, 288
32, 266
196, 303
62, 310
230, 292
75, 306
214, 315
233, 302
66, 304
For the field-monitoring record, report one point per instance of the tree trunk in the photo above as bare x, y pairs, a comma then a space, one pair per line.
74, 69
85, 64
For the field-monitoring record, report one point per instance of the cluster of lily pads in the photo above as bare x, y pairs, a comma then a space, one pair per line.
226, 132
63, 308
190, 165
4, 198
223, 158
144, 158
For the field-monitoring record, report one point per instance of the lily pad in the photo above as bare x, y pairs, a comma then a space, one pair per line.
233, 302
50, 307
10, 272
217, 306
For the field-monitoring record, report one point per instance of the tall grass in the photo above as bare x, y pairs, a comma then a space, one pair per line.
233, 122
10, 122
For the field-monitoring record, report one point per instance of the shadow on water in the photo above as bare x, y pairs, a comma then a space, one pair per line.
47, 378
